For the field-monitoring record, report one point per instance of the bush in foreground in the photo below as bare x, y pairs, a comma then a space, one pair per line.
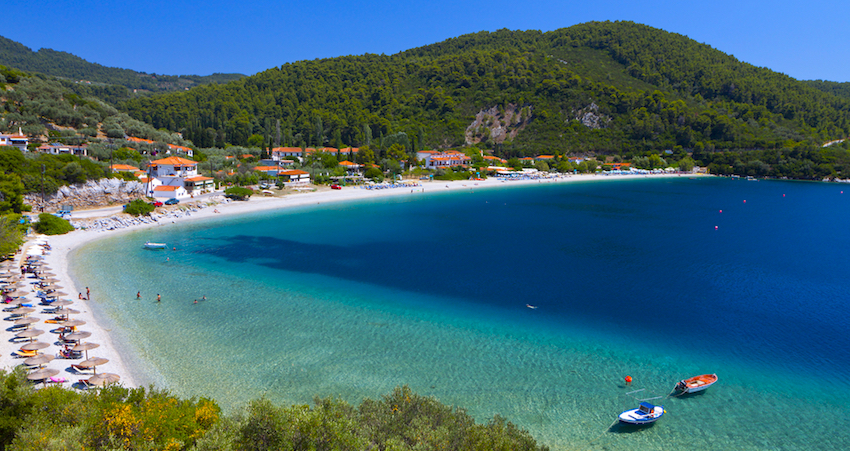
138, 207
238, 193
49, 224
118, 418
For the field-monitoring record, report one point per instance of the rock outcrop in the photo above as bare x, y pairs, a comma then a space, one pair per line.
495, 125
90, 194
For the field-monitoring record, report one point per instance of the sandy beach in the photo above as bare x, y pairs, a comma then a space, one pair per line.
57, 258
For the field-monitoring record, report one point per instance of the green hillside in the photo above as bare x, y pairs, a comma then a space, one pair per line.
831, 87
66, 65
604, 87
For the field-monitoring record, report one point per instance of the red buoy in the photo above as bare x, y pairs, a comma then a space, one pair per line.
628, 380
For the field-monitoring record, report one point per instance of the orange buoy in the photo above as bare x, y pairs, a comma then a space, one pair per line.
628, 380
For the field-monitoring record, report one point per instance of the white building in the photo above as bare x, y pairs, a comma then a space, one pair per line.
18, 140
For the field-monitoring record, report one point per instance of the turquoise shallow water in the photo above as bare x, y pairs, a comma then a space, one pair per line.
629, 277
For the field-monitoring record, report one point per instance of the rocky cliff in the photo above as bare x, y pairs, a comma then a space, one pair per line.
89, 195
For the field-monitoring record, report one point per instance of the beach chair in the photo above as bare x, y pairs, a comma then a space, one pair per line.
82, 370
24, 354
57, 380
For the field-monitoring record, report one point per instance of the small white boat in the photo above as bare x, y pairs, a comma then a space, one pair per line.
645, 413
696, 383
149, 245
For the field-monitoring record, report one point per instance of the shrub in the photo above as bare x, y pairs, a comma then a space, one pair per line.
138, 207
238, 193
49, 224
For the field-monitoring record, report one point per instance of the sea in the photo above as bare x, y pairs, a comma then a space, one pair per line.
530, 302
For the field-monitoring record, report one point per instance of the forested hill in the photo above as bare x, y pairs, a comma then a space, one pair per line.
596, 87
831, 87
66, 65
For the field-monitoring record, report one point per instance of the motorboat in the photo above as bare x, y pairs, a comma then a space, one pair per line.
150, 245
696, 383
645, 413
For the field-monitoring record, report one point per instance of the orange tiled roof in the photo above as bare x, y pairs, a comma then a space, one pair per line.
123, 167
175, 161
265, 168
139, 140
198, 178
165, 188
294, 172
347, 163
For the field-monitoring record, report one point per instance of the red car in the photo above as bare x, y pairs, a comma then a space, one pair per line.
156, 204
336, 187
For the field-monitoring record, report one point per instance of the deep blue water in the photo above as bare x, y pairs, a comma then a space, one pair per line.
660, 279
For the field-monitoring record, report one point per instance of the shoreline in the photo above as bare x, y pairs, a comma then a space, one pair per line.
63, 246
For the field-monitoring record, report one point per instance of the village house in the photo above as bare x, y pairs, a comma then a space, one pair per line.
61, 149
123, 168
447, 159
182, 173
18, 140
168, 192
351, 168
295, 177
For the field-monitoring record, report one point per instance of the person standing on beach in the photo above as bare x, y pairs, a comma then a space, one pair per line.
88, 294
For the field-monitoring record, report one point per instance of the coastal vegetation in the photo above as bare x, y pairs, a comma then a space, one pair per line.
49, 224
238, 193
138, 207
118, 418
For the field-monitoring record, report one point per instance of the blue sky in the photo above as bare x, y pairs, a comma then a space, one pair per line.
806, 40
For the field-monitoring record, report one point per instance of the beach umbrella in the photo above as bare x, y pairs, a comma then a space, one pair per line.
18, 301
29, 333
34, 346
40, 359
62, 303
26, 321
49, 280
43, 373
93, 362
85, 347
103, 379
72, 323
22, 311
77, 336
70, 311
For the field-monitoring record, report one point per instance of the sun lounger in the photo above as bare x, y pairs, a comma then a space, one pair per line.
57, 380
23, 354
81, 370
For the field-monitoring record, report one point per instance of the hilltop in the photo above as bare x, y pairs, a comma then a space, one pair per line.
602, 87
66, 65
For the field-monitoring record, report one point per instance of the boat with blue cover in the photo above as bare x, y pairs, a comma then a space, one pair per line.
645, 413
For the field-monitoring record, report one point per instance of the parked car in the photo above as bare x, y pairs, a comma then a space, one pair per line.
336, 187
156, 203
172, 201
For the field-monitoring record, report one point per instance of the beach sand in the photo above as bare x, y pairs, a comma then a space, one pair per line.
63, 245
